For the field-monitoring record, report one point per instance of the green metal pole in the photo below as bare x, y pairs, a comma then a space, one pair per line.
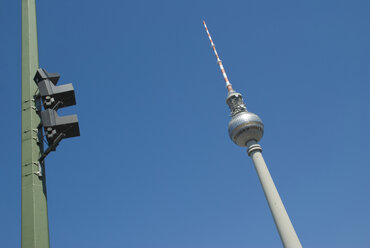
35, 228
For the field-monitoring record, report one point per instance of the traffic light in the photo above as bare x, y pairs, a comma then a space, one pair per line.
54, 97
52, 94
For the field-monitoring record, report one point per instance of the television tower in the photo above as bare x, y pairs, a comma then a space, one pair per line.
245, 130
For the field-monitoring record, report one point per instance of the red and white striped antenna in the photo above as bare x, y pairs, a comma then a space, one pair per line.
219, 62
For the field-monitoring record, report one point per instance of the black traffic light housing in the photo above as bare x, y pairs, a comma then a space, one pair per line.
64, 95
55, 125
54, 97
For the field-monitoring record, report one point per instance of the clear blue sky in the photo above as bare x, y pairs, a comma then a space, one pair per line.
154, 166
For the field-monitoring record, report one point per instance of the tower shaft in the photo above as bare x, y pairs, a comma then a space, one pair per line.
35, 229
285, 227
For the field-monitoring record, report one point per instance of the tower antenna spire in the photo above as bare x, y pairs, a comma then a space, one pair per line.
219, 62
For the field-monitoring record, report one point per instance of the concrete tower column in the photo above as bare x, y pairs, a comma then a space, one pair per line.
285, 228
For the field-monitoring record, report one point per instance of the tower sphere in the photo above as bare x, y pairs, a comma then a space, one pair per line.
245, 126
